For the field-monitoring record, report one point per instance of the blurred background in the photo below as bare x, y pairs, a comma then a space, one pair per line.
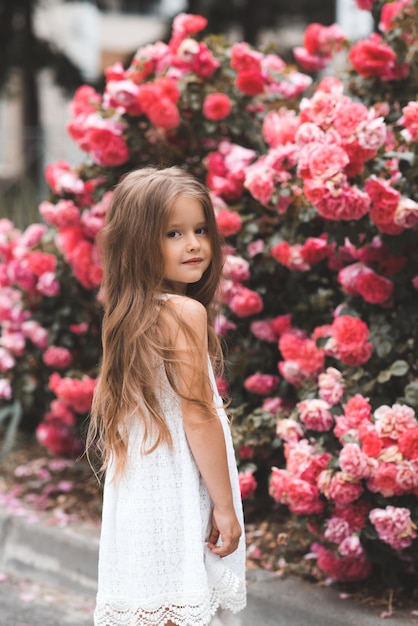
48, 48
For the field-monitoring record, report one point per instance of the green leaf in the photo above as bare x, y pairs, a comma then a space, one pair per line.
411, 394
384, 376
15, 412
399, 368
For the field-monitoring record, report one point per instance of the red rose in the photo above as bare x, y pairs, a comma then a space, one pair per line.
370, 57
216, 106
41, 262
165, 115
250, 83
408, 443
247, 483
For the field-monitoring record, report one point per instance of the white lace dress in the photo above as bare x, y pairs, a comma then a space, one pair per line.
154, 565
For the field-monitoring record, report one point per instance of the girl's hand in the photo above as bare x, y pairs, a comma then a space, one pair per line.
225, 525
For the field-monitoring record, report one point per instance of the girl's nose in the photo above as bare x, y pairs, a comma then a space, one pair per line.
193, 243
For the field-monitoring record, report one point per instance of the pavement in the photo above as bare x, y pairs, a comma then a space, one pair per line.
48, 578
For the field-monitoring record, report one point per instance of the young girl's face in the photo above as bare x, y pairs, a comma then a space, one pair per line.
186, 244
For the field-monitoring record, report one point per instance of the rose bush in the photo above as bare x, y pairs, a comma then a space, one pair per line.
314, 186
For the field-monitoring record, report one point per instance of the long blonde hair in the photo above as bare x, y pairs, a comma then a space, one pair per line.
133, 338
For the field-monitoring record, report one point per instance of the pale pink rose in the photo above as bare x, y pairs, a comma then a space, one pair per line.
36, 333
48, 284
372, 133
280, 127
289, 430
308, 132
292, 372
350, 115
293, 84
394, 526
247, 484
32, 235
393, 421
237, 268
62, 179
6, 391
353, 462
263, 384
327, 161
343, 491
331, 386
406, 214
255, 247
272, 405
260, 183
223, 324
407, 476
122, 94
7, 361
351, 547
236, 158
263, 330
336, 529
279, 481
324, 482
315, 414
14, 341
323, 107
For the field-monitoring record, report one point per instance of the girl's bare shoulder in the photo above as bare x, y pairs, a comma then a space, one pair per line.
188, 310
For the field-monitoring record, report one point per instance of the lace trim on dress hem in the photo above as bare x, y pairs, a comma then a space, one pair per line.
124, 613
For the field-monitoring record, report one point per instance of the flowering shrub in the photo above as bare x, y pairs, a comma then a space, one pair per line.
314, 187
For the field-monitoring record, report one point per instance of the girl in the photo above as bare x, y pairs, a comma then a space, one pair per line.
172, 548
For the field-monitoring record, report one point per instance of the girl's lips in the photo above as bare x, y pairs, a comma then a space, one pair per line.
193, 261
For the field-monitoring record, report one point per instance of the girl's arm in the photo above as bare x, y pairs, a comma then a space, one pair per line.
203, 428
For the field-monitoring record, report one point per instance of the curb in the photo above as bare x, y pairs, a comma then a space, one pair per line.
67, 557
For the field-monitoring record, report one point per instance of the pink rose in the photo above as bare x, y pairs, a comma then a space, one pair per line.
344, 569
393, 421
304, 498
263, 384
279, 481
384, 481
280, 127
336, 529
236, 268
408, 443
61, 215
216, 106
410, 119
289, 430
343, 491
228, 222
354, 462
263, 330
58, 357
245, 302
315, 414
394, 526
260, 183
57, 438
331, 386
6, 391
247, 484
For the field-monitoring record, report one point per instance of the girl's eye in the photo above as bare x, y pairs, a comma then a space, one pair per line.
173, 233
202, 230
